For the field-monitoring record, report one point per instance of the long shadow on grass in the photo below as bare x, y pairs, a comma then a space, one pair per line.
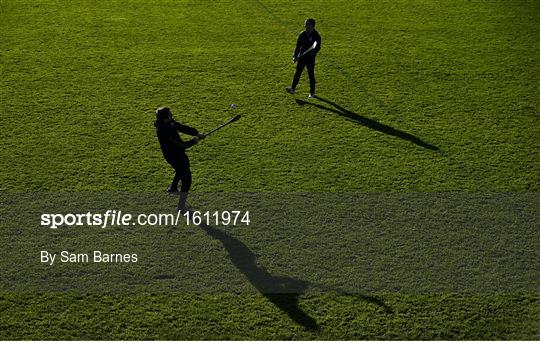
282, 291
276, 289
368, 122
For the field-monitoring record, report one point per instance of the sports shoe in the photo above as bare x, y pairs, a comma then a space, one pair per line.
172, 190
311, 96
290, 90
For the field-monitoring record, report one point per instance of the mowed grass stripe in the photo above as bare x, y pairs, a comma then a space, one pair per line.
80, 97
229, 316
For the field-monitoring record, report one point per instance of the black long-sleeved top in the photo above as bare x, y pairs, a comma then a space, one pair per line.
305, 41
169, 139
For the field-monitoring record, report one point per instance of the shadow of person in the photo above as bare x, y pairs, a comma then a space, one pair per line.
368, 122
282, 291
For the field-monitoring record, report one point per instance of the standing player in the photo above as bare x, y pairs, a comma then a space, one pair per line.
304, 42
174, 150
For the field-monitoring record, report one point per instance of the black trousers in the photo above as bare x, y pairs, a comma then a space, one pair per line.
183, 176
308, 63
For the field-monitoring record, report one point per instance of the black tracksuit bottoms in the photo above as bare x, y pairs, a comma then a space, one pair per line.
183, 175
309, 63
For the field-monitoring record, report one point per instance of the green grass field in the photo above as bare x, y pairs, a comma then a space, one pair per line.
418, 96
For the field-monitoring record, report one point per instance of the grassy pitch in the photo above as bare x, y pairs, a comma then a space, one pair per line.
415, 96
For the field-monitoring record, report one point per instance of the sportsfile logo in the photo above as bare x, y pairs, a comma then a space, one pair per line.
108, 219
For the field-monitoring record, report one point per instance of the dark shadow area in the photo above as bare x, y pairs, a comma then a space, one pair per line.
368, 122
282, 291
276, 289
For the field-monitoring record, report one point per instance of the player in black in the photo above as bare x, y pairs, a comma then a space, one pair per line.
306, 59
174, 150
